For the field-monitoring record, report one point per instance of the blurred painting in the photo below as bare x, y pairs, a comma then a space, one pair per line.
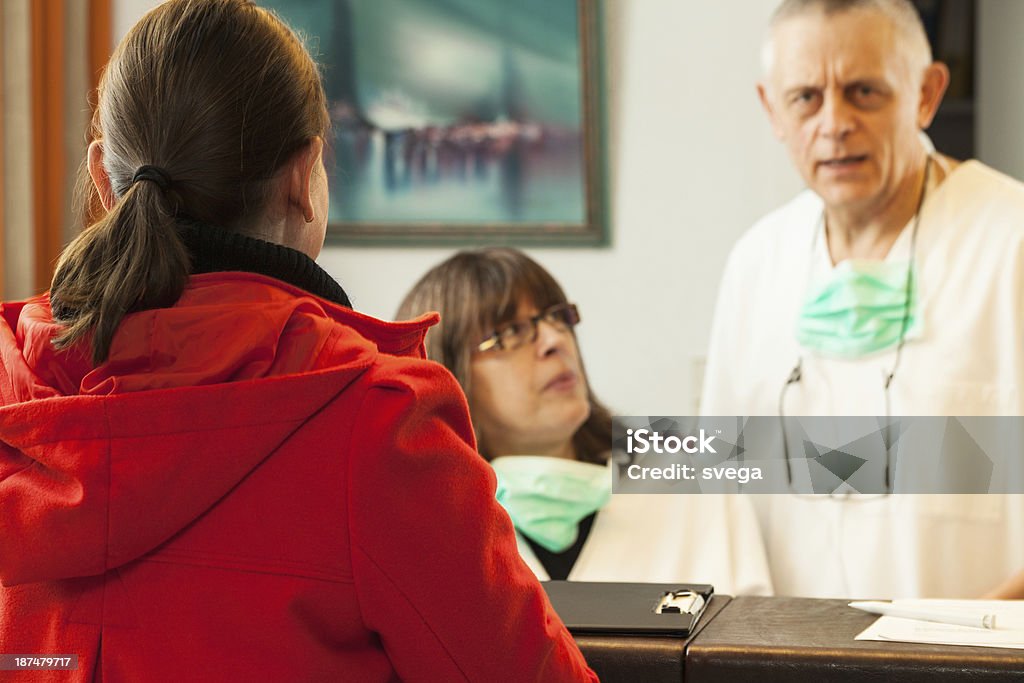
467, 121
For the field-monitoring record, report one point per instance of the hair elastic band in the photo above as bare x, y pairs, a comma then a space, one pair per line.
154, 174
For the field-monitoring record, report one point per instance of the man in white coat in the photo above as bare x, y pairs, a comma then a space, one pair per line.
894, 285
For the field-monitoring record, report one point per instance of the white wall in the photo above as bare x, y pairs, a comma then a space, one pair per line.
692, 163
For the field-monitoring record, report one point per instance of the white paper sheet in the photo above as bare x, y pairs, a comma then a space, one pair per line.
915, 631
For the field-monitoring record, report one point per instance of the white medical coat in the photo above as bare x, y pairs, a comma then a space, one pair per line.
967, 358
666, 538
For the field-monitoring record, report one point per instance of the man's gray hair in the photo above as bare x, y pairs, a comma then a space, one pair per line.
902, 13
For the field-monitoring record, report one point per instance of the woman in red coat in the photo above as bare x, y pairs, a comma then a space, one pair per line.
211, 468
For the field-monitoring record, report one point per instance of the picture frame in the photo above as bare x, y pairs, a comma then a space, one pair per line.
460, 122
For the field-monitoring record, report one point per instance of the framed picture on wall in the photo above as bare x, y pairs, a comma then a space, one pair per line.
460, 121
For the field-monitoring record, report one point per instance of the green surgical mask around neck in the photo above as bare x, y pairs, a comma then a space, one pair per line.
863, 308
548, 497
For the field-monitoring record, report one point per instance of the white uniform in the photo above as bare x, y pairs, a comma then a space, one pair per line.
965, 358
662, 538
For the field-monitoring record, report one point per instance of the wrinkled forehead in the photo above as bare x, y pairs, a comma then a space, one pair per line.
815, 48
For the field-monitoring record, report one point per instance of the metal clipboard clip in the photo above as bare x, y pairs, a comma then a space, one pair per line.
680, 602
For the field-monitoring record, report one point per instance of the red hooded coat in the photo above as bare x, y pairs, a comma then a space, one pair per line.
258, 485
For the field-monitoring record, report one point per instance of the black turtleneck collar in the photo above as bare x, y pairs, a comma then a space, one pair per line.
216, 250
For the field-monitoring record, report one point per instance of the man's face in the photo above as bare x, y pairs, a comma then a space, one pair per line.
846, 99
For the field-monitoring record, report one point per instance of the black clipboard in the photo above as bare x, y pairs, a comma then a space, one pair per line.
629, 608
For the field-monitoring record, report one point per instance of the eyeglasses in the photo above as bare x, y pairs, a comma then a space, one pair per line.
510, 336
796, 374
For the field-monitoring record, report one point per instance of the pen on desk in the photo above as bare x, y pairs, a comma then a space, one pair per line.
925, 614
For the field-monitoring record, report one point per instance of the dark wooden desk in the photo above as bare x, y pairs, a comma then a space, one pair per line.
768, 640
642, 659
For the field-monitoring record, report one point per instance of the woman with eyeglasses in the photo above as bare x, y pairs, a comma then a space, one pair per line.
507, 333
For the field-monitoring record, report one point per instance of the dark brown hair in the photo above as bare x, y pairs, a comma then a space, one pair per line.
474, 291
219, 94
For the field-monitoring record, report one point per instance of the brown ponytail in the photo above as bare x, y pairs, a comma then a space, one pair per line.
217, 93
131, 260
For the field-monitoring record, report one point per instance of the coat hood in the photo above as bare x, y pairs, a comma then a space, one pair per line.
99, 466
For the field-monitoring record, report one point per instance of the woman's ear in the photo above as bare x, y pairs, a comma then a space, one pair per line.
99, 175
300, 185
